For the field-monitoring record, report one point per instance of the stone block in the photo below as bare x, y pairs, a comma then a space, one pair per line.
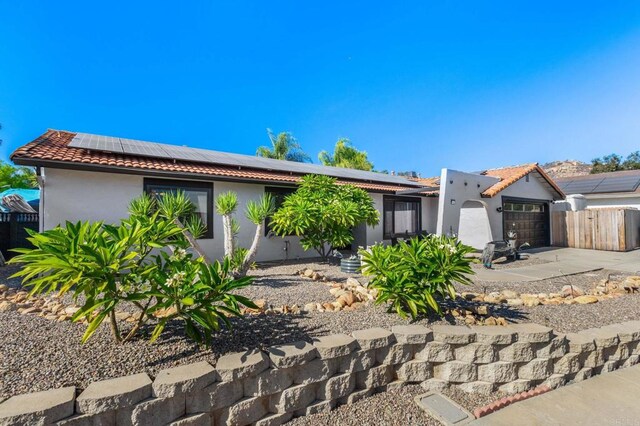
617, 353
270, 381
537, 369
415, 371
374, 338
478, 353
105, 418
274, 419
316, 370
357, 361
555, 381
114, 394
394, 354
556, 348
290, 355
610, 366
456, 372
337, 387
478, 387
453, 334
626, 331
238, 365
215, 396
412, 334
498, 372
435, 385
317, 407
494, 334
374, 377
632, 360
335, 345
517, 386
396, 384
532, 333
436, 352
244, 412
603, 338
153, 411
517, 352
293, 398
580, 342
568, 364
183, 379
202, 419
31, 408
583, 374
356, 396
592, 359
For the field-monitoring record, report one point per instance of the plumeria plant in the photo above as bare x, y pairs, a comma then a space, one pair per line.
415, 276
145, 262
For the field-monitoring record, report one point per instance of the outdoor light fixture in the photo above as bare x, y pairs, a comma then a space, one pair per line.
453, 202
499, 209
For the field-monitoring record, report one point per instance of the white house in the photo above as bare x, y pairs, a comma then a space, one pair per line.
91, 177
602, 190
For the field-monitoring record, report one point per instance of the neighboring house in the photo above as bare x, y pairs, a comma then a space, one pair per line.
485, 206
614, 189
90, 177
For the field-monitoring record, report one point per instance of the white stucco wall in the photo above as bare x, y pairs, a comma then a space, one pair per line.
80, 195
453, 187
474, 229
610, 202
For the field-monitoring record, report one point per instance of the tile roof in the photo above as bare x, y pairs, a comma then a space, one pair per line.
510, 175
431, 182
52, 148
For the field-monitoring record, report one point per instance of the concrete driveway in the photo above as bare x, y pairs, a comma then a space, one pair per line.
565, 261
607, 399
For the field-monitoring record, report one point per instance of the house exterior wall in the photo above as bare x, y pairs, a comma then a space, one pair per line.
453, 188
82, 195
632, 202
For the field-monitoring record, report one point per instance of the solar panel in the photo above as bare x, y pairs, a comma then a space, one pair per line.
618, 184
159, 150
580, 186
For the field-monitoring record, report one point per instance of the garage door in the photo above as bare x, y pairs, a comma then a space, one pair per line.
529, 219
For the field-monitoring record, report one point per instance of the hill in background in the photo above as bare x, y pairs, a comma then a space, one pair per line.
565, 168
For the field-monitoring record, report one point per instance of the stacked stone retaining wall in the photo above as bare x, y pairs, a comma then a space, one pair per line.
271, 387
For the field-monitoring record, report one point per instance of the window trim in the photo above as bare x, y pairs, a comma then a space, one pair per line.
395, 198
286, 190
187, 184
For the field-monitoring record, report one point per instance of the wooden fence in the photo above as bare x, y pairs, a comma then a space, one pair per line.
13, 232
613, 229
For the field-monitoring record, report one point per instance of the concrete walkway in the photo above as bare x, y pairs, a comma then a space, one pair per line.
607, 399
565, 261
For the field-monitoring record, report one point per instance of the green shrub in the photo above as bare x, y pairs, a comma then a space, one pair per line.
145, 261
414, 276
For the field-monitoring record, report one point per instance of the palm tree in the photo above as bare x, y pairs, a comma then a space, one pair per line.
283, 147
347, 156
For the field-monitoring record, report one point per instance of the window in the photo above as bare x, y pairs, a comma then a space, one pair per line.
279, 194
200, 194
401, 216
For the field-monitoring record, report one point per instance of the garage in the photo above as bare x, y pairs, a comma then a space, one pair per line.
529, 219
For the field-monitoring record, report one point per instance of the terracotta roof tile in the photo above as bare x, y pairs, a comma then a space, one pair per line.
53, 147
510, 175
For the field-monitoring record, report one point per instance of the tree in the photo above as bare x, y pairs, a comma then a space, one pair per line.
614, 163
283, 147
323, 214
16, 177
347, 156
256, 212
632, 162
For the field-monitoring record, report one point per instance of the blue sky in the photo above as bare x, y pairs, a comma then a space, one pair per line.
419, 85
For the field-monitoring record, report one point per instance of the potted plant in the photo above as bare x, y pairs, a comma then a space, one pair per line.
351, 264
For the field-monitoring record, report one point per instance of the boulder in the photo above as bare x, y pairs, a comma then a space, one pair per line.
572, 290
308, 273
515, 302
352, 282
7, 306
583, 300
510, 294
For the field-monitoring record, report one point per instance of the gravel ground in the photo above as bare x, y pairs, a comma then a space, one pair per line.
395, 407
37, 354
504, 263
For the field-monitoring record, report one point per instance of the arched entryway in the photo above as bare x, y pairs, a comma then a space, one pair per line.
474, 228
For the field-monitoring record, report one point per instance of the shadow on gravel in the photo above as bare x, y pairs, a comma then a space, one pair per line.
510, 313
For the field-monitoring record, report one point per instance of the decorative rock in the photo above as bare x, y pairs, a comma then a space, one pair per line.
335, 345
183, 379
114, 393
374, 338
308, 273
453, 334
352, 282
515, 302
7, 306
38, 407
238, 365
412, 334
584, 300
297, 353
572, 291
510, 294
498, 372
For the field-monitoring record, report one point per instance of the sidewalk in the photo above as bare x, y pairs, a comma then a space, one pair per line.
607, 399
